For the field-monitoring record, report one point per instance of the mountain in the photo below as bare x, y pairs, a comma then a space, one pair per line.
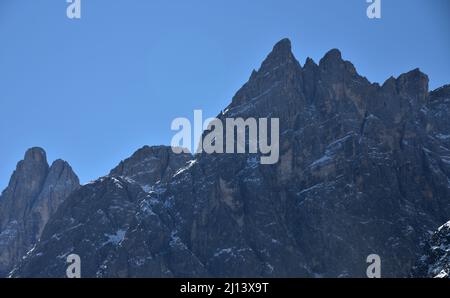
364, 169
34, 193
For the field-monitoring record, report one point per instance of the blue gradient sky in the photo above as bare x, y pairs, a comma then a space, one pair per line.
94, 90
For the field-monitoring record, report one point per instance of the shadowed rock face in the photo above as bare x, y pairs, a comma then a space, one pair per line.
150, 165
435, 262
364, 169
34, 193
94, 220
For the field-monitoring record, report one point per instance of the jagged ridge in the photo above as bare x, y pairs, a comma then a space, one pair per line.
363, 169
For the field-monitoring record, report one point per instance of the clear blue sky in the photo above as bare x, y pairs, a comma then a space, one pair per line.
94, 90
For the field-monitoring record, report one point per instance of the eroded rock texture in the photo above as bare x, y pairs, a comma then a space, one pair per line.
364, 169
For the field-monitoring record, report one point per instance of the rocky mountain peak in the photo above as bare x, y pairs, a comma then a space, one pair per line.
61, 167
333, 65
282, 48
414, 83
310, 63
280, 67
36, 154
149, 165
25, 183
280, 55
362, 169
33, 194
332, 56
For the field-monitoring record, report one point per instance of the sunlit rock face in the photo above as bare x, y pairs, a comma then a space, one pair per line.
364, 169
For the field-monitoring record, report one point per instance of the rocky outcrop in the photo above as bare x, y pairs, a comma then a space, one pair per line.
363, 169
435, 262
34, 193
150, 165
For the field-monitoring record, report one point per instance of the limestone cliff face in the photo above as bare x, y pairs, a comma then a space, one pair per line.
364, 169
34, 193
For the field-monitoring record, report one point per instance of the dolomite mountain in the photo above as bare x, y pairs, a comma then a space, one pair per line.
34, 193
364, 169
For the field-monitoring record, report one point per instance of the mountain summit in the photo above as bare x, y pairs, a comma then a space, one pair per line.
33, 194
364, 169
